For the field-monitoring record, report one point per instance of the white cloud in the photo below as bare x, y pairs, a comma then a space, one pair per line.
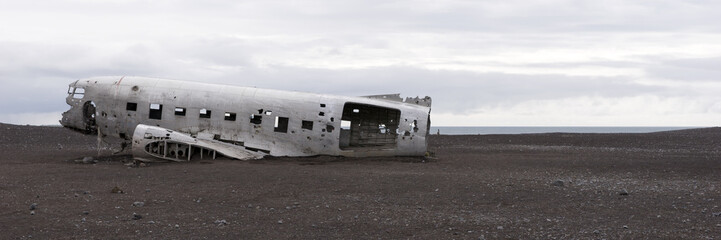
506, 62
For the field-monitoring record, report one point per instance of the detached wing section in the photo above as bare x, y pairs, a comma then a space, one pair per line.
152, 144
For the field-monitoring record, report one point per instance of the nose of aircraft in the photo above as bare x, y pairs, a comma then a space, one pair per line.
80, 117
63, 121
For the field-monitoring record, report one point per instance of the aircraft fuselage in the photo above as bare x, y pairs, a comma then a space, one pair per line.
263, 121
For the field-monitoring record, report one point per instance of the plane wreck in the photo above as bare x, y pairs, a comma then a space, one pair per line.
169, 120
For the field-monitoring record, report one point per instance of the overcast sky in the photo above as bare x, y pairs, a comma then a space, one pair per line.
484, 63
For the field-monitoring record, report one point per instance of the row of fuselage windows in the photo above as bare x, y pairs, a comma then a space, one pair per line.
281, 123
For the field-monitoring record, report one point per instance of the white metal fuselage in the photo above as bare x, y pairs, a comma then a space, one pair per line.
267, 122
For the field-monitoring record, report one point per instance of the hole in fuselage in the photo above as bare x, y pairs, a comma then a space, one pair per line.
89, 116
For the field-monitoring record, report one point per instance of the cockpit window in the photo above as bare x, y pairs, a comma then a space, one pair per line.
79, 93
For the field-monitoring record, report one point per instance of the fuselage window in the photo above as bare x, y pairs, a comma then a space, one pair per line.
156, 111
307, 125
281, 124
256, 119
179, 111
229, 116
204, 113
131, 106
345, 124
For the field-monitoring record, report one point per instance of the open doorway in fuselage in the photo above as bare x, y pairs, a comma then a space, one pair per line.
89, 116
368, 126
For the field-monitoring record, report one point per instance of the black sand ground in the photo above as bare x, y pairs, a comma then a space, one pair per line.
543, 186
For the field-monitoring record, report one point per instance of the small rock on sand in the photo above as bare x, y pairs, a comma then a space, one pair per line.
86, 160
116, 189
557, 183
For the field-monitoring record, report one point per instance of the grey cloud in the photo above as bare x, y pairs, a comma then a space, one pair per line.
41, 94
506, 16
695, 69
69, 60
35, 76
222, 51
575, 16
193, 39
399, 16
453, 91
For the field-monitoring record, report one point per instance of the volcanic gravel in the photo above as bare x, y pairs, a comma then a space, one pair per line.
53, 185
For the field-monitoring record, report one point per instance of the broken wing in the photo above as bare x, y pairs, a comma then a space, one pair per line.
151, 144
